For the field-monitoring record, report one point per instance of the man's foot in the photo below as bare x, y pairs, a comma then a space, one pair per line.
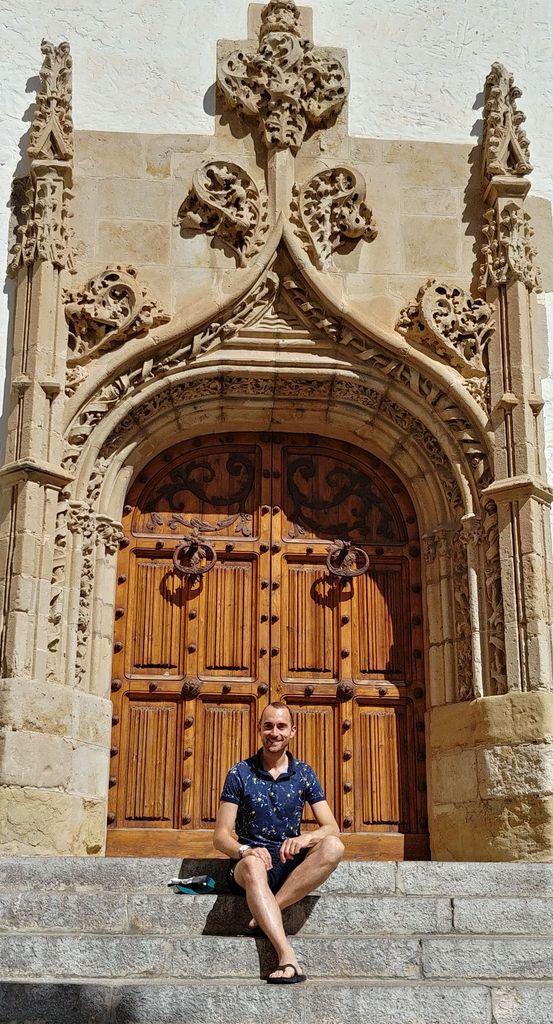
286, 974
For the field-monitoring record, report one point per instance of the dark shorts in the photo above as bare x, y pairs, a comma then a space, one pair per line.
276, 876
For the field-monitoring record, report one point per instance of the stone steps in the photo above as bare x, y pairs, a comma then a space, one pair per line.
105, 942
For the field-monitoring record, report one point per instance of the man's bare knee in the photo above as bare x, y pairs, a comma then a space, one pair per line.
251, 870
332, 849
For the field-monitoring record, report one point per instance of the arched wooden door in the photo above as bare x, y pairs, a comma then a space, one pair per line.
236, 586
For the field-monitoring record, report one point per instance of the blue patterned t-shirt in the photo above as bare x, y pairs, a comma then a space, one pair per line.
269, 810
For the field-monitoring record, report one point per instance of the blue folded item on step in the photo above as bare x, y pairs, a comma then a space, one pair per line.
198, 885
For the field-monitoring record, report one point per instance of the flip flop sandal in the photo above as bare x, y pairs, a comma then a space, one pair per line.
294, 980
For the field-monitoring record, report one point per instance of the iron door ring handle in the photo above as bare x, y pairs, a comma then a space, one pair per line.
346, 561
195, 549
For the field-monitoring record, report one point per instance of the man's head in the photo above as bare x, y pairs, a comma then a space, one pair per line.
276, 727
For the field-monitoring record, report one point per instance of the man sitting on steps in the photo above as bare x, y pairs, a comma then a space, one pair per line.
271, 863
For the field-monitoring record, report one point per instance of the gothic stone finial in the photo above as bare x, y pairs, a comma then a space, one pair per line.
505, 144
42, 201
285, 84
109, 310
225, 201
332, 209
52, 128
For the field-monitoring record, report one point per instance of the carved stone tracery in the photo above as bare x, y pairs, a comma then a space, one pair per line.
455, 327
285, 84
109, 310
507, 251
226, 202
332, 210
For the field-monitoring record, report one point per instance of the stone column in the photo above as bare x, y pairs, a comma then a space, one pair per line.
47, 729
491, 785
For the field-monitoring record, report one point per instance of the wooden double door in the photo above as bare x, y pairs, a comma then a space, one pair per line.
258, 568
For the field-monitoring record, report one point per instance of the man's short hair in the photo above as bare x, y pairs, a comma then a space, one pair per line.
279, 705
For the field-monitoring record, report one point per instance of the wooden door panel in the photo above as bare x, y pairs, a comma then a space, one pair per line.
224, 733
315, 743
227, 628
381, 640
149, 763
158, 623
382, 770
310, 624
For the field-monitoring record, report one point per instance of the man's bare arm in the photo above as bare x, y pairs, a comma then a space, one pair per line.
223, 839
225, 842
328, 826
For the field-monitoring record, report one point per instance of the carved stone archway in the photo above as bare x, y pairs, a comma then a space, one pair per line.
447, 396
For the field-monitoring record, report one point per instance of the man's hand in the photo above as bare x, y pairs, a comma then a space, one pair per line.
291, 847
261, 853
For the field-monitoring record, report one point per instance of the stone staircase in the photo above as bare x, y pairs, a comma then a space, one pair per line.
105, 942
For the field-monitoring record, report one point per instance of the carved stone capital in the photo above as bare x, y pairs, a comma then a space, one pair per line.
507, 251
451, 324
331, 210
286, 85
505, 149
109, 533
109, 310
225, 201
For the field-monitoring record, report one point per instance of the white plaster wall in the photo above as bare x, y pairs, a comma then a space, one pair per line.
417, 66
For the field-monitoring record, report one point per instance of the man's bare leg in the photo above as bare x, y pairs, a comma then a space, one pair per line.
251, 874
319, 864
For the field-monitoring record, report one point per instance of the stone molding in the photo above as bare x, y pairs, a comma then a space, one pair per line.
42, 202
330, 210
286, 85
110, 309
226, 202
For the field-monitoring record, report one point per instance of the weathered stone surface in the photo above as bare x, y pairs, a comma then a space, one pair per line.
492, 721
534, 916
128, 874
415, 1004
324, 915
509, 771
92, 956
519, 1005
55, 1004
515, 829
61, 912
419, 878
89, 957
49, 822
488, 958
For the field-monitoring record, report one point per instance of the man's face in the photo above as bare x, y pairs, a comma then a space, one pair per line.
276, 730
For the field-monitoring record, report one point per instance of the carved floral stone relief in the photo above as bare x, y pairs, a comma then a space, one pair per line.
286, 84
225, 201
110, 309
455, 327
507, 251
330, 210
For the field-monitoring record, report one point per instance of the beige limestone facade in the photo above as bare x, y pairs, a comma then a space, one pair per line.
280, 271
